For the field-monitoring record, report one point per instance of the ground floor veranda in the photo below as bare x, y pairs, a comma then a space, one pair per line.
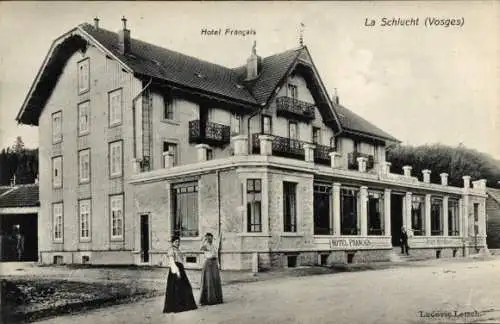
274, 212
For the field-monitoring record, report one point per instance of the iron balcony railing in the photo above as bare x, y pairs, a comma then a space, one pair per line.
290, 107
209, 133
353, 160
292, 148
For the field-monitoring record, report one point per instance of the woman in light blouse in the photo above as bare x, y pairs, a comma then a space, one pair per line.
179, 295
210, 286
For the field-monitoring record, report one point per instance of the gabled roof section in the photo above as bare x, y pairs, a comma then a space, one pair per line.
355, 124
180, 69
19, 196
188, 72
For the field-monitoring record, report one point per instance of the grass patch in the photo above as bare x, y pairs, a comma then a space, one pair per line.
27, 300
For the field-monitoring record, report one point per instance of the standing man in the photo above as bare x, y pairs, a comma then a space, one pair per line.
404, 241
19, 242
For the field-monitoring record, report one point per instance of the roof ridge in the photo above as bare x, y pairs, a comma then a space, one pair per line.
161, 47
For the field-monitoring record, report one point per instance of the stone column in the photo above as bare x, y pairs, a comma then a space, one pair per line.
466, 181
407, 170
444, 179
266, 144
427, 222
364, 210
309, 152
335, 159
240, 144
361, 163
202, 152
385, 168
336, 209
460, 217
427, 176
445, 216
387, 212
408, 208
168, 159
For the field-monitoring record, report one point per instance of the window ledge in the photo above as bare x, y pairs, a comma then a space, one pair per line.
258, 234
171, 122
191, 238
292, 234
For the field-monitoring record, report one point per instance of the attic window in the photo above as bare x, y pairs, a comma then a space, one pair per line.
201, 76
156, 62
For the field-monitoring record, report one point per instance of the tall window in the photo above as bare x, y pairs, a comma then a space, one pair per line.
436, 216
172, 148
57, 127
84, 166
57, 172
293, 91
84, 118
185, 207
168, 107
57, 221
116, 208
375, 210
323, 224
316, 135
116, 158
254, 203
210, 154
84, 210
83, 76
349, 211
293, 132
289, 207
266, 125
453, 218
417, 215
476, 218
235, 123
115, 107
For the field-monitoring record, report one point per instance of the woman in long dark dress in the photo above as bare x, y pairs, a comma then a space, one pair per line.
179, 295
211, 290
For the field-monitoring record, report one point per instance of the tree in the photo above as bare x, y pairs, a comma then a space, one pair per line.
18, 145
456, 161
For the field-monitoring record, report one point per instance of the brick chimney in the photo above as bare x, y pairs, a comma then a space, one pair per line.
254, 63
124, 38
96, 23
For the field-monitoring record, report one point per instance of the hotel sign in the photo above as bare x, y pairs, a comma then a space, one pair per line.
350, 243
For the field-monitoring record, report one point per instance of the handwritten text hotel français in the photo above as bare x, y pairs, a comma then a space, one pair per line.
415, 21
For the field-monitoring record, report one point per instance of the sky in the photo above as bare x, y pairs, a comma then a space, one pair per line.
420, 84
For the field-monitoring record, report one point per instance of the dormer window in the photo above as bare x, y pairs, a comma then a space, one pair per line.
293, 92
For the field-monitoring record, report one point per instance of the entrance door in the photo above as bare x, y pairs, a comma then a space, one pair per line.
396, 218
145, 238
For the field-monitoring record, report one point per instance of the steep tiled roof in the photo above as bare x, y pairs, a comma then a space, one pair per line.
192, 73
19, 196
158, 62
354, 122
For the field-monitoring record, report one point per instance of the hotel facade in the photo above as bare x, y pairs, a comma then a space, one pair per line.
138, 143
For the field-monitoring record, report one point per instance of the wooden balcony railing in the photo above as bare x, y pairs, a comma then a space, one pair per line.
353, 160
212, 133
294, 108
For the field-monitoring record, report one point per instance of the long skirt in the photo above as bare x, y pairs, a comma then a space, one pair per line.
211, 289
179, 295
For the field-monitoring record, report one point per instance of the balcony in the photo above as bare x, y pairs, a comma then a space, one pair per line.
282, 146
353, 160
212, 133
322, 154
294, 108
